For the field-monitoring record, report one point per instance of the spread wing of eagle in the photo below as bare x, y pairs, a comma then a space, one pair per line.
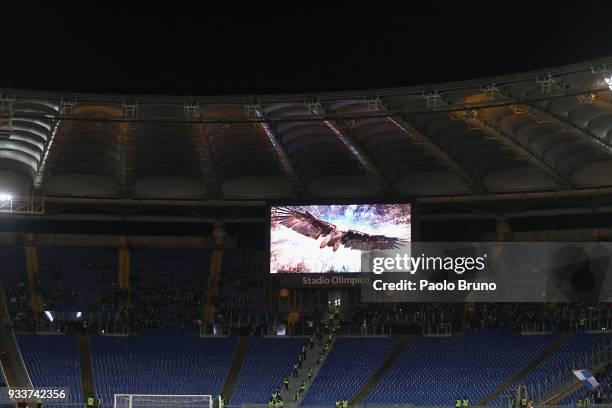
307, 224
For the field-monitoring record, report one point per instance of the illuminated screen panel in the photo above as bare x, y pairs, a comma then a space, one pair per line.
331, 238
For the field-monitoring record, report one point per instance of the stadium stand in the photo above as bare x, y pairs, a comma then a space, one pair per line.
168, 286
13, 261
52, 361
547, 375
236, 281
332, 383
14, 282
239, 299
170, 361
5, 400
77, 278
271, 357
174, 267
438, 370
526, 157
598, 397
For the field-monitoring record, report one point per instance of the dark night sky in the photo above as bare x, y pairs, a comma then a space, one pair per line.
180, 49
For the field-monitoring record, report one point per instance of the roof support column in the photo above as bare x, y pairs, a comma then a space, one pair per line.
52, 143
127, 145
353, 148
271, 139
202, 147
433, 149
475, 121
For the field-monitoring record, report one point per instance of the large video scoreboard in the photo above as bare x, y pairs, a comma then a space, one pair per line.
330, 238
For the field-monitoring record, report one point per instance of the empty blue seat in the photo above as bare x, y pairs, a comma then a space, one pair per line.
173, 362
268, 361
350, 364
438, 370
556, 369
74, 279
53, 361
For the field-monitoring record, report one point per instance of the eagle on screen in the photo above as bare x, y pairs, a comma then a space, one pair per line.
307, 224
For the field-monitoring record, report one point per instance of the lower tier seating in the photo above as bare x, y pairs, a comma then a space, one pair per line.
267, 362
160, 362
52, 361
438, 370
358, 356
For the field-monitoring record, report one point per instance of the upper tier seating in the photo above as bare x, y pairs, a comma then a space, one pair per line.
238, 288
12, 259
173, 267
77, 278
14, 282
168, 285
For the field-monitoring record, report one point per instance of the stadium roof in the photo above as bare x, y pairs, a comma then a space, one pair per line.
542, 132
